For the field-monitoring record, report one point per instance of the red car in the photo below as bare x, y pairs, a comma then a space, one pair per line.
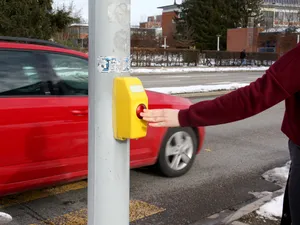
44, 140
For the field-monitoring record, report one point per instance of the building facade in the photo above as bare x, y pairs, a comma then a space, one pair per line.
146, 37
243, 38
281, 13
274, 41
168, 24
78, 34
152, 22
79, 31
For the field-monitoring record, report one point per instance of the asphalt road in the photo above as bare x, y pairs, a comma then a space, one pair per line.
228, 168
197, 78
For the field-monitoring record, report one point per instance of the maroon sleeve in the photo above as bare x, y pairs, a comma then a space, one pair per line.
279, 82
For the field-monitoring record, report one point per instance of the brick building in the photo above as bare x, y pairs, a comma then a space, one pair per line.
79, 31
78, 34
146, 37
243, 38
277, 41
259, 40
152, 22
168, 24
271, 35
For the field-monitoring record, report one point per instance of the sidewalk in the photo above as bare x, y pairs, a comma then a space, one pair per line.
265, 210
254, 219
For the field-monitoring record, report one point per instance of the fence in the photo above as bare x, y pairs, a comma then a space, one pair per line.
156, 57
152, 57
220, 58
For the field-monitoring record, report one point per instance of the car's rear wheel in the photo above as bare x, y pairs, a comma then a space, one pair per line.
177, 152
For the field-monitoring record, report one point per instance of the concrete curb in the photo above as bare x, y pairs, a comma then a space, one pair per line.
232, 217
239, 223
252, 207
202, 94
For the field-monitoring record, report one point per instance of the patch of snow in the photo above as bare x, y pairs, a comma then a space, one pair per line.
260, 194
273, 210
198, 88
278, 175
196, 69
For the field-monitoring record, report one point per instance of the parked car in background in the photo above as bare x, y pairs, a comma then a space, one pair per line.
44, 120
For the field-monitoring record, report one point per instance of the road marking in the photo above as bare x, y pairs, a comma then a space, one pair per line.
39, 194
138, 210
208, 150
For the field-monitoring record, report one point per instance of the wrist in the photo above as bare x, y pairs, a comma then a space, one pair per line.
183, 118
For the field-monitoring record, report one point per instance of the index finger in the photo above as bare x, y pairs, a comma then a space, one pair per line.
153, 112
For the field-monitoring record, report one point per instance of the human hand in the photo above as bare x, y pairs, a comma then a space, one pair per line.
161, 117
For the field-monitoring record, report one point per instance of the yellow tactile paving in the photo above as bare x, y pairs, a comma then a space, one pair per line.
138, 210
38, 194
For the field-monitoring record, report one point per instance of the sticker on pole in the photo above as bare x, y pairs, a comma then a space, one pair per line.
110, 64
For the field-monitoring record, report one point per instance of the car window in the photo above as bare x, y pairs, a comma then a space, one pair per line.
72, 72
18, 74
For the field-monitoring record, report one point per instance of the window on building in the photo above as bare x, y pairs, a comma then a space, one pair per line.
84, 30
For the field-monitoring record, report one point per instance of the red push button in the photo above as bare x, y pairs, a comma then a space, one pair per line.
139, 110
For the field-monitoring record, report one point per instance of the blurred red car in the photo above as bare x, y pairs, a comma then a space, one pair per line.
44, 139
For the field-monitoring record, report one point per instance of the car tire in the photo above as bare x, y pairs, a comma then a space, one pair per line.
177, 152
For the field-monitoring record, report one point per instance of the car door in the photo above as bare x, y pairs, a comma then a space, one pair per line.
70, 82
32, 128
70, 77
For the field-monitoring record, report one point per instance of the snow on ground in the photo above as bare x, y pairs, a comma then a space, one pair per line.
272, 210
278, 175
198, 88
196, 69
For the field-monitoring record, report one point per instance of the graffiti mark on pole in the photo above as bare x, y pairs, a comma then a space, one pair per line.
121, 40
119, 13
108, 64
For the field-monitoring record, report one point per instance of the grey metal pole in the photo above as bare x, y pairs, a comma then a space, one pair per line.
218, 42
108, 159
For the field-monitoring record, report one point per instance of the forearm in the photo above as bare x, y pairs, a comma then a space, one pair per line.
237, 105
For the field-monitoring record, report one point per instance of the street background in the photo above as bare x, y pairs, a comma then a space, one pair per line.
228, 169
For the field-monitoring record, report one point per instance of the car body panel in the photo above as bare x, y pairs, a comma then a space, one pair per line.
45, 139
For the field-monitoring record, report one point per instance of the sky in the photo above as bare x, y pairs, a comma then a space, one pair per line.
140, 9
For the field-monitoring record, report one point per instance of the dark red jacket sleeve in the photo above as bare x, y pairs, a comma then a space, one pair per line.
279, 82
